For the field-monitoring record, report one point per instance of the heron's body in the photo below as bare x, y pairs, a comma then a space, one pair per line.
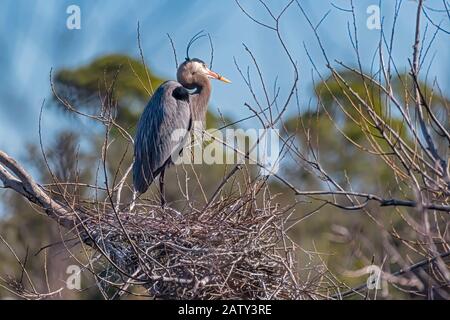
167, 111
171, 108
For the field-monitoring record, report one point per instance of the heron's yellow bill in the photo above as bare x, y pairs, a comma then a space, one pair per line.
221, 78
217, 76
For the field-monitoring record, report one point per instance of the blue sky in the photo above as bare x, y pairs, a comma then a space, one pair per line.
34, 39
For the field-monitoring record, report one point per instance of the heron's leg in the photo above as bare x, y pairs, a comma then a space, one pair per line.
133, 203
161, 188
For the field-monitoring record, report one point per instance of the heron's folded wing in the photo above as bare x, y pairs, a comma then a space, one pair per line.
160, 132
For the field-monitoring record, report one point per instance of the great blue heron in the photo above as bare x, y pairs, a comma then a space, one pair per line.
173, 106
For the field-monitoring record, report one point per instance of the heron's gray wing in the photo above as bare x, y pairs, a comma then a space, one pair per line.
159, 132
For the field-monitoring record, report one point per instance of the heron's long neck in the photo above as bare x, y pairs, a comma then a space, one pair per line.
199, 101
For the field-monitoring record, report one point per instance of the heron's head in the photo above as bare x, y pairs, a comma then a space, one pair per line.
194, 72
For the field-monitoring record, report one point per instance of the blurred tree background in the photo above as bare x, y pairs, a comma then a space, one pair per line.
333, 131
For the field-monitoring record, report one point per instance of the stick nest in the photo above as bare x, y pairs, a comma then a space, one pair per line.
232, 250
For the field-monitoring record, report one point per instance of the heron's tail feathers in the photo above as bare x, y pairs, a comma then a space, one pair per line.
141, 179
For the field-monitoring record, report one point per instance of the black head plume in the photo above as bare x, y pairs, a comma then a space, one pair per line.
197, 36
